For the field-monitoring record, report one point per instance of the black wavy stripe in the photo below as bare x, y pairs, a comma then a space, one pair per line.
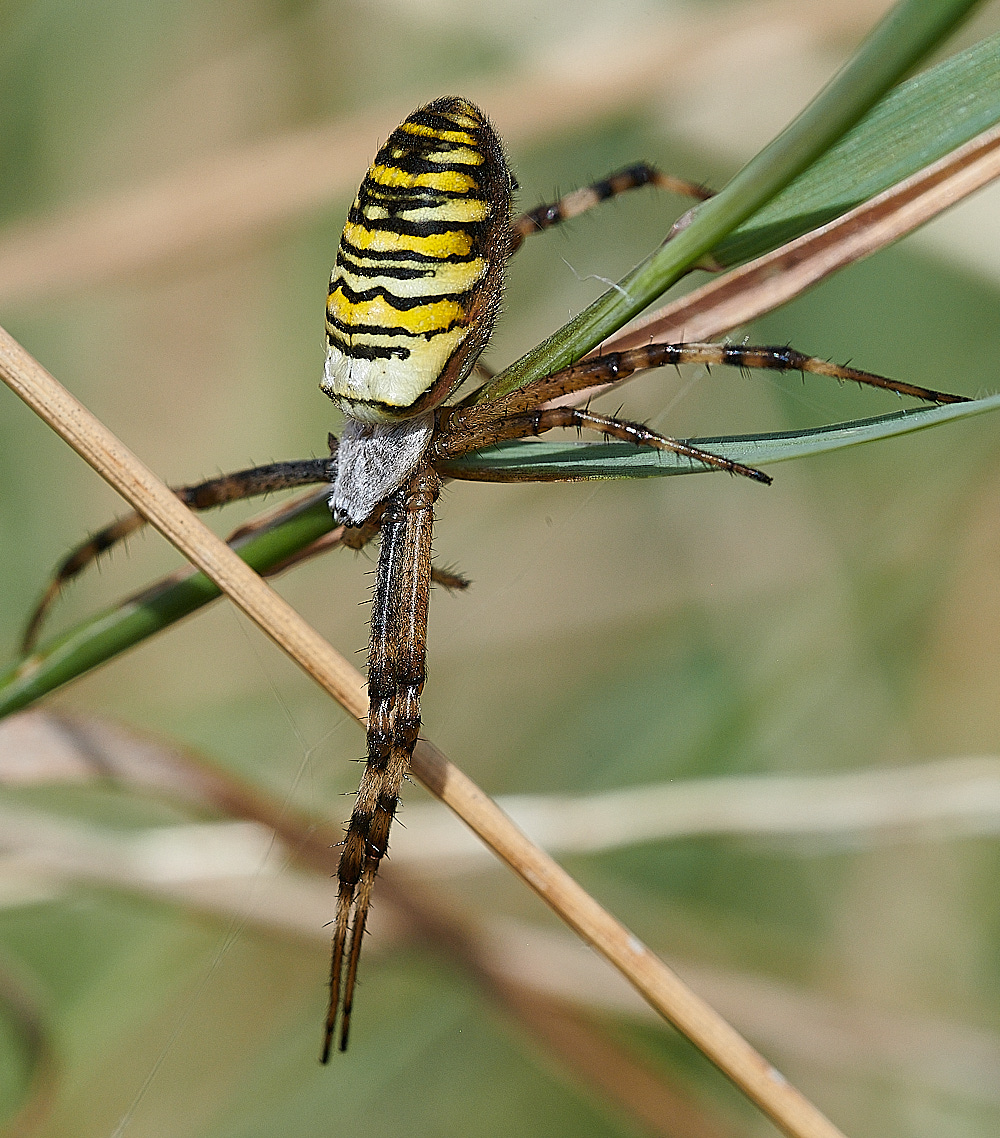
400, 203
365, 351
403, 228
399, 303
372, 402
394, 205
424, 116
419, 195
394, 272
405, 254
333, 326
416, 159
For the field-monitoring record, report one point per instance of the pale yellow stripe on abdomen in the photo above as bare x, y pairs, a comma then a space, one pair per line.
447, 181
458, 136
465, 212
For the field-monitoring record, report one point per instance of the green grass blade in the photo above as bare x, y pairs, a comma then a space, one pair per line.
916, 124
898, 43
100, 638
533, 460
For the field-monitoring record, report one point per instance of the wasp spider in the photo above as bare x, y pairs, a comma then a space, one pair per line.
412, 303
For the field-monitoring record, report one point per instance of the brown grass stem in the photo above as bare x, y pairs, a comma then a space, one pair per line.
762, 285
661, 987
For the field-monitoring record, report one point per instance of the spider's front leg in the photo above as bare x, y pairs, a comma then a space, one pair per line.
203, 496
471, 426
464, 429
616, 367
396, 668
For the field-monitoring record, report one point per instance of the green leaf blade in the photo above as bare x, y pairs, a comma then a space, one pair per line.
102, 637
531, 460
907, 33
916, 124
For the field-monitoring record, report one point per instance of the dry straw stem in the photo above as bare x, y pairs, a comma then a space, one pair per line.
41, 748
765, 1086
722, 305
774, 279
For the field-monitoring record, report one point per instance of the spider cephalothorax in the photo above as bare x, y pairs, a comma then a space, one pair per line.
412, 303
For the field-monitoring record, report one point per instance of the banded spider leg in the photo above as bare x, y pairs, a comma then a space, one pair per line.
472, 426
396, 670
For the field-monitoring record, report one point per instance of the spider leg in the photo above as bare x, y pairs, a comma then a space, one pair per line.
548, 214
356, 538
449, 579
616, 367
472, 426
396, 668
454, 442
353, 537
215, 492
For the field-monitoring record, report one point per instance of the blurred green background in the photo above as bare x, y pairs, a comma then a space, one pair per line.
175, 178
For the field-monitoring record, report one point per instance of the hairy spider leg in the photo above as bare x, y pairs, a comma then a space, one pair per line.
571, 205
452, 443
616, 367
202, 496
520, 413
396, 672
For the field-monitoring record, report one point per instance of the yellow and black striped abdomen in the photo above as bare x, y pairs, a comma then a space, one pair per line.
419, 272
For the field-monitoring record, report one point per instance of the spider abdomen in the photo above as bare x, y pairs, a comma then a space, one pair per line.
419, 273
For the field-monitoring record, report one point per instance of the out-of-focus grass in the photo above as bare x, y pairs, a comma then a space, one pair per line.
616, 634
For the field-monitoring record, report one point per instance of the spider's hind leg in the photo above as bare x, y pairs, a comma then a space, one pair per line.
202, 496
548, 214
